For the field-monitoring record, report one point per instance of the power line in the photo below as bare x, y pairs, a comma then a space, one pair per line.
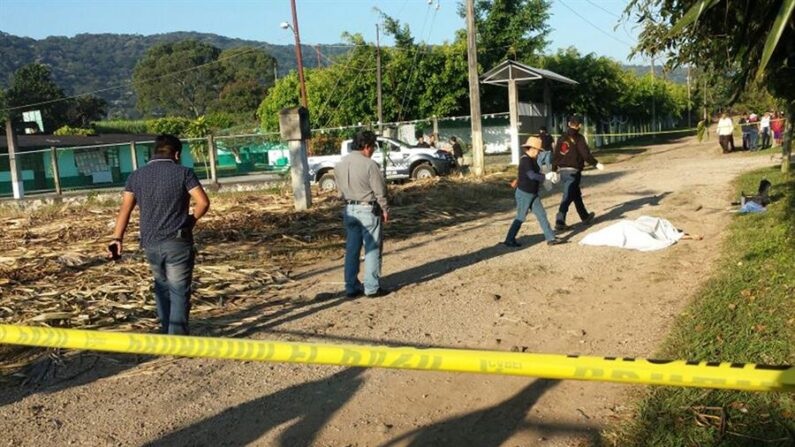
603, 9
594, 26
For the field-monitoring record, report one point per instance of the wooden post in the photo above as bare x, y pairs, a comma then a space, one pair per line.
474, 92
213, 155
16, 177
56, 172
133, 155
513, 112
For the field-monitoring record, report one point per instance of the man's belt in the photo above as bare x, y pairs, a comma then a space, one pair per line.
358, 202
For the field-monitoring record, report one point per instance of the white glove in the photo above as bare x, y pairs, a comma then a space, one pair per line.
548, 185
553, 177
600, 166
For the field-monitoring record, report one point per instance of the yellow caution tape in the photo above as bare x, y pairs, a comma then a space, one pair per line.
740, 376
626, 134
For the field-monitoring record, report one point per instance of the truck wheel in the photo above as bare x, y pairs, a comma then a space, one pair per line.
327, 182
423, 171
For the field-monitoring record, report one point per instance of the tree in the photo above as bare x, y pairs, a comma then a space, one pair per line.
248, 64
162, 84
240, 97
507, 29
85, 109
742, 40
32, 85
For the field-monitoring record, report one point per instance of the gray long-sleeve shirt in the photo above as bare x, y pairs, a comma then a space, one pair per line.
359, 178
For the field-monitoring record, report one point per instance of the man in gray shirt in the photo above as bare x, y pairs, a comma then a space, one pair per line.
363, 190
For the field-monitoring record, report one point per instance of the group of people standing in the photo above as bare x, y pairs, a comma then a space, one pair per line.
758, 133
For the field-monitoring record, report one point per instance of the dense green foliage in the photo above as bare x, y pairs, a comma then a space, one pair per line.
190, 78
90, 62
421, 81
743, 314
69, 130
756, 43
33, 84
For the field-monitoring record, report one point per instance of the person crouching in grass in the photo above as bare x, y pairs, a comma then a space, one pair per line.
527, 194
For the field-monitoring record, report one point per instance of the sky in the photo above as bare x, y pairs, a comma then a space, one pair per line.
588, 25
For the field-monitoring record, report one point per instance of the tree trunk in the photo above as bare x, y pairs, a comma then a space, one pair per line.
786, 148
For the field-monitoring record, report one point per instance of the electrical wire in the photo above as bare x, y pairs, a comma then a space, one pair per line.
594, 26
129, 82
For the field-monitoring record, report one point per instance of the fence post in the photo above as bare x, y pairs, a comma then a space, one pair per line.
213, 156
56, 172
134, 155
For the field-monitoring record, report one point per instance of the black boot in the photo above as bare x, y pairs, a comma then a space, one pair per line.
510, 239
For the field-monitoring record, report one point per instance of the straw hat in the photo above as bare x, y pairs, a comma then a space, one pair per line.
534, 142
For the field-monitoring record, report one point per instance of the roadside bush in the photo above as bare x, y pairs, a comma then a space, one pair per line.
120, 126
170, 125
68, 130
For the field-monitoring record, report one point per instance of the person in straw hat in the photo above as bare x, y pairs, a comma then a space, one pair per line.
527, 194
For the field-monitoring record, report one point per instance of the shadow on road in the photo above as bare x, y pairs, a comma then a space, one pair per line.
308, 407
493, 426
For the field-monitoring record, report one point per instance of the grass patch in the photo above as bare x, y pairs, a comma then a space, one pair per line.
744, 313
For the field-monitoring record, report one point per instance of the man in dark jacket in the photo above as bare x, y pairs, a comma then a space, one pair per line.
571, 154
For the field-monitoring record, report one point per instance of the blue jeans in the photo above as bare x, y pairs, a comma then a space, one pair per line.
571, 193
525, 202
362, 227
545, 159
171, 262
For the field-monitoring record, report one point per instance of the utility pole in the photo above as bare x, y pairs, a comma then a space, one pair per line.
378, 80
653, 101
317, 54
16, 177
298, 55
275, 72
474, 91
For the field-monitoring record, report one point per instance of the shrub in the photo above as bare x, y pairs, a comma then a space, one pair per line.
68, 130
170, 125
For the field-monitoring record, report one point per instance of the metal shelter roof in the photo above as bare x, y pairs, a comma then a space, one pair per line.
521, 73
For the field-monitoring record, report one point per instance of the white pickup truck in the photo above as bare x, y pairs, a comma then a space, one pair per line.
403, 161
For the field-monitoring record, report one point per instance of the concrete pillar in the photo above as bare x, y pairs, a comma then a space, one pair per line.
56, 172
513, 113
299, 173
16, 176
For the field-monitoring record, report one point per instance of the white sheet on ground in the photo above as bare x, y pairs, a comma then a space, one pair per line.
644, 233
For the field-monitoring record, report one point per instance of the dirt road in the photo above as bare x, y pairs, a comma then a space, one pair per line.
457, 289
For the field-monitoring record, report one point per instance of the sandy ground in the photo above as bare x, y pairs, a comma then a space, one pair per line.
458, 288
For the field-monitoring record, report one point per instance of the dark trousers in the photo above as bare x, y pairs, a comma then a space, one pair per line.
171, 262
765, 137
571, 193
726, 142
746, 141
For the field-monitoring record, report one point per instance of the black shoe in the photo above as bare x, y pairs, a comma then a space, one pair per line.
378, 293
555, 241
512, 244
355, 294
561, 227
589, 220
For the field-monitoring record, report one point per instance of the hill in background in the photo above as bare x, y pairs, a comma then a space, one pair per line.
90, 62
